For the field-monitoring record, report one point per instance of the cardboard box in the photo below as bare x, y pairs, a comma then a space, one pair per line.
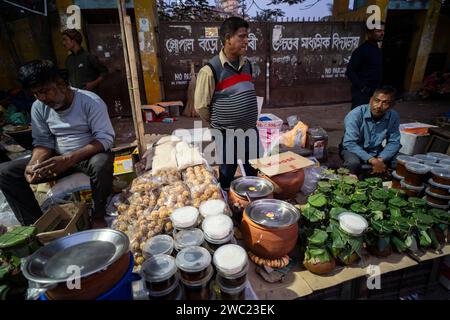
281, 163
124, 159
62, 220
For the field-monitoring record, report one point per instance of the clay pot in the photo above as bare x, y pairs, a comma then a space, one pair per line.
288, 184
321, 268
269, 242
95, 285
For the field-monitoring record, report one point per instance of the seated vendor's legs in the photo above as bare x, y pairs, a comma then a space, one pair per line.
100, 169
17, 191
351, 161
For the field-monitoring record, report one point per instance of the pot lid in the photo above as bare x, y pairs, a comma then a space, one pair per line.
410, 187
159, 268
438, 185
352, 223
184, 217
218, 226
442, 173
396, 175
272, 213
426, 157
188, 238
193, 259
212, 207
435, 195
439, 156
404, 158
91, 250
160, 244
230, 259
255, 187
417, 168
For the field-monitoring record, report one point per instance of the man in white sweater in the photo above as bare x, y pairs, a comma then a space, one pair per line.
71, 132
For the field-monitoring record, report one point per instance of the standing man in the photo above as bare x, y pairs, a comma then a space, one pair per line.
225, 98
365, 129
366, 66
71, 132
85, 70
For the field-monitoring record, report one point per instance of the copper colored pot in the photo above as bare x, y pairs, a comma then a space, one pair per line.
270, 238
288, 184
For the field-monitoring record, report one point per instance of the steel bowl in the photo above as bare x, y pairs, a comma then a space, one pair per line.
88, 252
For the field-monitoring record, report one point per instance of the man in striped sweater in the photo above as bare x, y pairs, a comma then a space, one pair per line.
225, 98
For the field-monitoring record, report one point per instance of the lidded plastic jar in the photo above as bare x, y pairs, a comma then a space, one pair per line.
416, 173
401, 162
410, 190
439, 156
188, 238
426, 158
160, 244
184, 218
396, 180
212, 208
231, 263
193, 263
218, 230
441, 176
436, 198
160, 275
231, 293
438, 206
353, 224
438, 188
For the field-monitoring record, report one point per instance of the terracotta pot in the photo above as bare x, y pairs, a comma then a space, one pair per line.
321, 268
288, 184
95, 285
268, 243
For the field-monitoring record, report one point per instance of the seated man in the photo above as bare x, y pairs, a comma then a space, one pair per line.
366, 127
71, 132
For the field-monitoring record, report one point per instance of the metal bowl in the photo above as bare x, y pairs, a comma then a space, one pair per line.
91, 251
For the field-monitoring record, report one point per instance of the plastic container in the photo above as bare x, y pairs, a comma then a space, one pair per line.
439, 156
438, 188
184, 218
441, 176
212, 208
437, 206
176, 294
188, 238
317, 142
437, 198
426, 158
352, 223
401, 162
416, 173
160, 244
445, 162
396, 180
199, 289
231, 263
194, 263
231, 293
160, 274
218, 230
410, 190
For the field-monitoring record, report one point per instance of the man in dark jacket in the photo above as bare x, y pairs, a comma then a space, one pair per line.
365, 67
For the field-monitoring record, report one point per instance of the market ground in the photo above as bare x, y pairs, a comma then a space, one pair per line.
329, 117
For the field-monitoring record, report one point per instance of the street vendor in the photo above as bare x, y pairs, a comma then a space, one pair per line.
85, 70
71, 132
365, 129
225, 98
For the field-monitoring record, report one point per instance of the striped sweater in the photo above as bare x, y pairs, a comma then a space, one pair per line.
234, 103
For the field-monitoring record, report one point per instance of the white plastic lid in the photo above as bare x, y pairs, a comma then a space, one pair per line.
185, 217
160, 244
193, 259
188, 238
426, 157
217, 227
352, 223
434, 165
230, 259
396, 175
212, 208
158, 268
443, 173
404, 159
417, 168
438, 185
445, 162
438, 206
439, 156
410, 187
435, 195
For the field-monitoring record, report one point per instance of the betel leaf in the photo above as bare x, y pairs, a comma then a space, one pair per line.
342, 200
399, 244
374, 182
324, 184
423, 219
381, 227
398, 202
380, 195
315, 255
312, 214
343, 171
434, 241
376, 206
417, 202
377, 215
424, 238
362, 185
358, 208
441, 216
396, 193
335, 212
395, 212
359, 197
317, 200
350, 180
401, 225
318, 237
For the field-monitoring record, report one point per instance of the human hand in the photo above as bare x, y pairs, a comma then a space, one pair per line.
378, 165
53, 167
